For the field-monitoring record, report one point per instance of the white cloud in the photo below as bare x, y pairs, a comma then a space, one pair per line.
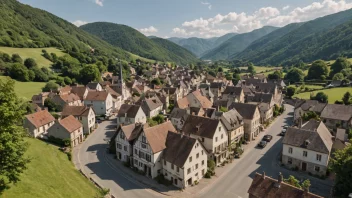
286, 8
99, 2
246, 22
79, 23
149, 30
206, 4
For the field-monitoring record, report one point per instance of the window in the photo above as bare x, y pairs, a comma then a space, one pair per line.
202, 139
164, 162
190, 159
144, 146
189, 171
317, 168
197, 166
172, 166
202, 152
197, 156
202, 162
178, 169
125, 148
319, 157
135, 151
305, 153
141, 155
148, 158
144, 140
216, 139
219, 128
289, 160
222, 136
290, 150
136, 162
203, 172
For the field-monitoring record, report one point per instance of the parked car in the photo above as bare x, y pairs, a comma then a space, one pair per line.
267, 138
285, 127
283, 132
262, 144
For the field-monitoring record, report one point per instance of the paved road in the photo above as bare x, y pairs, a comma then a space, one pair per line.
238, 180
91, 160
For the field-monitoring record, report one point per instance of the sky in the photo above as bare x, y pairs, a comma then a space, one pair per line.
191, 18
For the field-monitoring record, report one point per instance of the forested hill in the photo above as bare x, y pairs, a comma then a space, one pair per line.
135, 42
323, 38
24, 26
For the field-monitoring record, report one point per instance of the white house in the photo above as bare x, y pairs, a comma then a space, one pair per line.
152, 106
84, 114
178, 117
95, 86
38, 123
101, 101
308, 148
233, 123
129, 114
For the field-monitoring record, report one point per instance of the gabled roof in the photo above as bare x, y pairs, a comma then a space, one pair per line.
131, 131
151, 103
75, 110
201, 126
261, 97
233, 90
266, 87
112, 92
93, 85
231, 120
40, 118
216, 85
319, 140
79, 91
202, 99
129, 110
156, 135
178, 113
337, 112
66, 97
70, 123
247, 111
178, 148
97, 95
183, 103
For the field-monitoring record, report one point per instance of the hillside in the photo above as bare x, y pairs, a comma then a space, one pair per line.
135, 42
24, 26
323, 38
236, 44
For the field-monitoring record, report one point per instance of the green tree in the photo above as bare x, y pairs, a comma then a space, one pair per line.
290, 92
341, 165
306, 184
310, 115
40, 76
30, 63
159, 118
294, 75
12, 143
338, 76
50, 86
19, 72
321, 97
223, 109
276, 75
156, 81
251, 69
67, 80
50, 104
151, 122
340, 64
89, 73
293, 181
347, 98
16, 58
220, 69
318, 70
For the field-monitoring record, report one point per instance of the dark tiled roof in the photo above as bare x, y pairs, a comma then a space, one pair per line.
231, 119
261, 97
337, 112
178, 113
247, 111
266, 87
178, 148
92, 85
233, 90
201, 126
75, 110
129, 110
216, 85
151, 103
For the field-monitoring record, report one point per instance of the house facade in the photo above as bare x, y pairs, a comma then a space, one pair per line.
100, 101
337, 116
129, 114
84, 114
38, 123
234, 125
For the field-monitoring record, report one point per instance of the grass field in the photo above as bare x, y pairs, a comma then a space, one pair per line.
309, 86
50, 174
35, 53
135, 57
26, 90
333, 94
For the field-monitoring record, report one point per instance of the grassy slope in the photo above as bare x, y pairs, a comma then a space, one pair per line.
35, 53
334, 94
261, 70
26, 90
50, 174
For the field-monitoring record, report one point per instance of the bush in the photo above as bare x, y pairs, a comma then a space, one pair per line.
207, 175
56, 141
69, 156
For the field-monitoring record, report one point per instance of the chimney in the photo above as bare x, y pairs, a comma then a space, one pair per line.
280, 179
264, 175
300, 123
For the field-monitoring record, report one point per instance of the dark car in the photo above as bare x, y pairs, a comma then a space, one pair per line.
267, 138
283, 132
262, 144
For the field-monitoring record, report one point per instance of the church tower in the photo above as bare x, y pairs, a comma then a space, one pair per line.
121, 86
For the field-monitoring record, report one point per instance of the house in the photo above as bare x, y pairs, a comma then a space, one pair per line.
178, 117
216, 88
38, 123
233, 123
335, 83
68, 128
173, 92
84, 114
266, 187
116, 98
95, 86
40, 98
70, 99
129, 114
251, 118
152, 106
308, 148
337, 116
184, 160
265, 104
194, 99
305, 106
80, 91
234, 92
63, 90
126, 135
212, 134
101, 101
148, 148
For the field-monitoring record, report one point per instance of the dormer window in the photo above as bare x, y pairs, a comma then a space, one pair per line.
306, 143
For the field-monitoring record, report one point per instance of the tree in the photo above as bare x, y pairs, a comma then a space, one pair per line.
276, 75
50, 86
318, 70
340, 64
290, 92
16, 58
30, 63
306, 184
12, 143
151, 122
294, 75
251, 69
156, 81
236, 77
212, 73
347, 98
67, 80
89, 73
50, 104
220, 69
341, 165
293, 181
40, 76
159, 118
19, 72
223, 109
338, 76
310, 115
321, 97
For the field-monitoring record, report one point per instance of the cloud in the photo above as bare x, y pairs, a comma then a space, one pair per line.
286, 8
246, 22
99, 2
79, 23
149, 30
206, 4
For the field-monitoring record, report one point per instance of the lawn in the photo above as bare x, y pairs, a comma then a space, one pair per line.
333, 94
309, 86
35, 53
262, 70
135, 57
26, 90
50, 174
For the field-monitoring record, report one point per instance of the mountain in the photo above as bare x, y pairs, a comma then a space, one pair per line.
135, 42
236, 44
24, 26
323, 38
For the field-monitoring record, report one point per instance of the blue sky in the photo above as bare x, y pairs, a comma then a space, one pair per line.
187, 18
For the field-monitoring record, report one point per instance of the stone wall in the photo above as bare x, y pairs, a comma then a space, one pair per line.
296, 163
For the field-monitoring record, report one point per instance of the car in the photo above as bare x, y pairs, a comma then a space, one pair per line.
262, 144
283, 132
267, 138
285, 127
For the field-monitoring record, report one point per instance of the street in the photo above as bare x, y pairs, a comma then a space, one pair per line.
233, 183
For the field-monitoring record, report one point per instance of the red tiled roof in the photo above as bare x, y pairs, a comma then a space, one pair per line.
40, 118
70, 123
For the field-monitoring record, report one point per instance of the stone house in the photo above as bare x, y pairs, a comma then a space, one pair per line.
234, 92
130, 114
233, 123
40, 98
305, 106
38, 123
178, 117
67, 128
84, 114
194, 99
265, 104
308, 148
100, 101
337, 116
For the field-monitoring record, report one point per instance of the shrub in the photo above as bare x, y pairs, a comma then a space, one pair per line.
207, 175
69, 155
